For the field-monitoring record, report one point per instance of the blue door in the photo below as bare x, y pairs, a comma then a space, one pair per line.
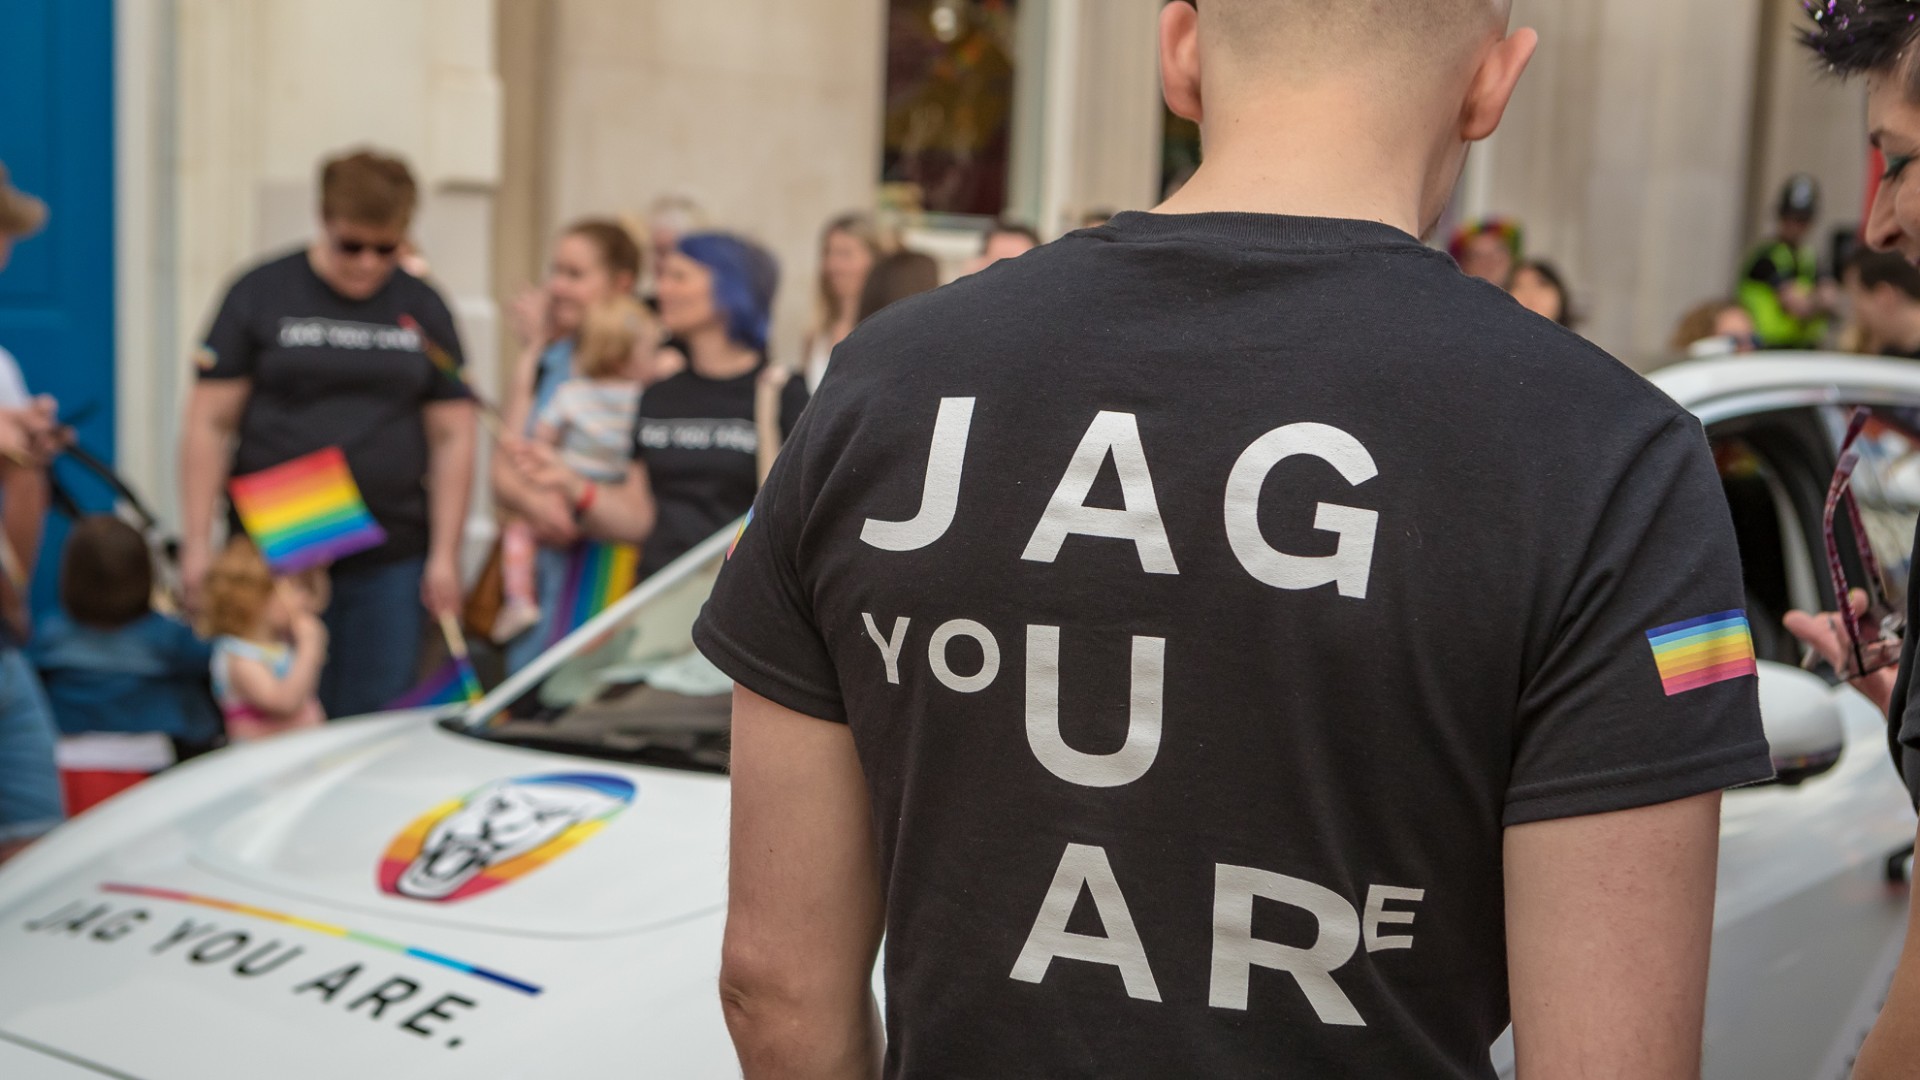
57, 295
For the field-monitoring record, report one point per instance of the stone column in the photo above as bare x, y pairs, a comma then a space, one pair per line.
1626, 154
767, 112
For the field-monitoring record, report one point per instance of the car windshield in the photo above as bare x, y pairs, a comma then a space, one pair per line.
629, 685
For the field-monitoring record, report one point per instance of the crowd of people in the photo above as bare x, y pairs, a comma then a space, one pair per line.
1561, 709
1785, 296
645, 409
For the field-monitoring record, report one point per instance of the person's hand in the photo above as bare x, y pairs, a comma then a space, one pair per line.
552, 524
773, 379
531, 313
31, 437
540, 465
440, 587
1825, 634
309, 633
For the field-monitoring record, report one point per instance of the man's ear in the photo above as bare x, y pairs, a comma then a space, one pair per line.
1493, 84
1180, 59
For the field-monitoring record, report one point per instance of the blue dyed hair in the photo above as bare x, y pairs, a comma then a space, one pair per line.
745, 279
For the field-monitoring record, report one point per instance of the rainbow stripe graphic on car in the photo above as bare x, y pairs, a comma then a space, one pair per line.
328, 929
1704, 651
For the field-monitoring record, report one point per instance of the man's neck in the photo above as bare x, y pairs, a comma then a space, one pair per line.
1310, 156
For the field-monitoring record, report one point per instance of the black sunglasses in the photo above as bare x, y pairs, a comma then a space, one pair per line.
1889, 625
356, 247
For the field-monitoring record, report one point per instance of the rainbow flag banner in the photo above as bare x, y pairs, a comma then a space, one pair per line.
305, 513
455, 683
598, 574
1703, 651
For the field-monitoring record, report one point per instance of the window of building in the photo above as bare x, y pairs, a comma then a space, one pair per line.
950, 104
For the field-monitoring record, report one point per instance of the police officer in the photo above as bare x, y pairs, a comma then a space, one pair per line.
1780, 284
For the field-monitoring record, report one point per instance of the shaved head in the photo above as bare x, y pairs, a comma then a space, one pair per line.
1313, 37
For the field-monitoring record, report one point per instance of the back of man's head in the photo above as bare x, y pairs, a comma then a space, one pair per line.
1301, 40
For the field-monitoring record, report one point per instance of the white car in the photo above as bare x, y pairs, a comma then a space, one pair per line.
536, 887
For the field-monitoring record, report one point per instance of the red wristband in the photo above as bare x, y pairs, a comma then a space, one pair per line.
588, 496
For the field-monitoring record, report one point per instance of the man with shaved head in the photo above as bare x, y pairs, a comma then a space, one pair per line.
1229, 641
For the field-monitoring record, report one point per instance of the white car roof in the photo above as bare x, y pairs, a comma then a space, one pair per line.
1711, 388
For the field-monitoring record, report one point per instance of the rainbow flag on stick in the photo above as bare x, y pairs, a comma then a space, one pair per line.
447, 686
454, 683
448, 366
598, 574
305, 513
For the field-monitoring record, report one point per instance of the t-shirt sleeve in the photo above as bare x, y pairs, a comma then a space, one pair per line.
1646, 692
1903, 734
759, 626
230, 348
13, 384
438, 323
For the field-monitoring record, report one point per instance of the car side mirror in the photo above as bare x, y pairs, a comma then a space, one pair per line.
1802, 722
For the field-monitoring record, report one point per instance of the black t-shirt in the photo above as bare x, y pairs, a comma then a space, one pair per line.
1903, 713
1267, 568
696, 436
329, 371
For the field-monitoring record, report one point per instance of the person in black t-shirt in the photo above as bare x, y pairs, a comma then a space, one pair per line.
329, 346
706, 437
1880, 40
1233, 642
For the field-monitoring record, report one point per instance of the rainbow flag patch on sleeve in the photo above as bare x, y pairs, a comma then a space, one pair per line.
1703, 651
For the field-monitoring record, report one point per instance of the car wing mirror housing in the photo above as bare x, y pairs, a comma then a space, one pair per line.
1803, 724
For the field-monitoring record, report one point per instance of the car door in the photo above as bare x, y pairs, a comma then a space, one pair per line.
1809, 922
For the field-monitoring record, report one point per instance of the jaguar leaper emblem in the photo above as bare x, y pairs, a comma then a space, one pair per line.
491, 836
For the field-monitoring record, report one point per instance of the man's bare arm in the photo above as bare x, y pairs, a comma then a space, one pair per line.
804, 910
1609, 925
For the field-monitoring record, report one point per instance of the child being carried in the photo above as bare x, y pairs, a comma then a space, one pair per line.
589, 420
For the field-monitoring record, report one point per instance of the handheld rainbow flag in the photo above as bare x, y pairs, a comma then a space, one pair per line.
597, 575
305, 513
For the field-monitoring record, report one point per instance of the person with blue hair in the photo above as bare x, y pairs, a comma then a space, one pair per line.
705, 438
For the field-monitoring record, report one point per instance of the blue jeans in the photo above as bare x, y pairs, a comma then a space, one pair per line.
549, 582
30, 801
374, 626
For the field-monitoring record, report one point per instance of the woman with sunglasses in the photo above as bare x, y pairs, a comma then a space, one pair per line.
336, 345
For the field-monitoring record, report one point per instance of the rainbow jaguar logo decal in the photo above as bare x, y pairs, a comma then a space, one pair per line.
510, 828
